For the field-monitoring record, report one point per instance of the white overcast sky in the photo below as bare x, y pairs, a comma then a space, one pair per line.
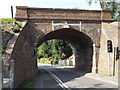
5, 5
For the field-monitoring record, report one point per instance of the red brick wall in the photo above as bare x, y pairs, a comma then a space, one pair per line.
49, 13
106, 15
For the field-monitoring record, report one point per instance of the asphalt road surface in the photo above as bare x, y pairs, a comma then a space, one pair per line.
59, 78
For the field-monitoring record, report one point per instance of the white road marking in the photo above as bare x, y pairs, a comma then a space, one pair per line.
58, 80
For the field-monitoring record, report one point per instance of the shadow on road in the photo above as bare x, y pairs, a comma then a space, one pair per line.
73, 79
65, 74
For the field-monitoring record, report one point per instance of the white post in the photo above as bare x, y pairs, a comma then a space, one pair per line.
109, 73
52, 26
94, 60
80, 26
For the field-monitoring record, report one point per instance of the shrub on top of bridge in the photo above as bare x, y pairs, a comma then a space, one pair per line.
10, 24
8, 20
17, 26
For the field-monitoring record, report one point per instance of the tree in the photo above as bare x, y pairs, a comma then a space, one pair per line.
62, 49
55, 49
113, 6
44, 50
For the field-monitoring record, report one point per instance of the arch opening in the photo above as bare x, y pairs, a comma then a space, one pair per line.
56, 52
82, 44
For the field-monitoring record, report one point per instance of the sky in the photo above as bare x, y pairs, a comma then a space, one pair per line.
5, 5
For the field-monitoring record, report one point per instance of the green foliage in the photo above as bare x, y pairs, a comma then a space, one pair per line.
10, 24
11, 33
113, 6
44, 60
29, 83
9, 20
3, 48
56, 49
61, 49
43, 50
17, 26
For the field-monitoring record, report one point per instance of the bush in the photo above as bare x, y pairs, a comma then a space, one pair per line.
9, 20
8, 24
17, 27
29, 83
54, 61
44, 60
41, 60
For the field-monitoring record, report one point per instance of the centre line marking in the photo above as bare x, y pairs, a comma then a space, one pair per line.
58, 80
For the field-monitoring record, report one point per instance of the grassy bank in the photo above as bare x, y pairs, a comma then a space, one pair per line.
29, 83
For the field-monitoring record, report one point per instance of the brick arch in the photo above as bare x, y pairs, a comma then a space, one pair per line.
68, 34
24, 52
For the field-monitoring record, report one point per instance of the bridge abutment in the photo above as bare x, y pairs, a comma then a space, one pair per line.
24, 57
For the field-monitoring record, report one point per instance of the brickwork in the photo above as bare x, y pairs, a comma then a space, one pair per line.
106, 15
108, 64
22, 12
49, 13
24, 57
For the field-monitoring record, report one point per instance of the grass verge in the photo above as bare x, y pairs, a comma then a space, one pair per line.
29, 83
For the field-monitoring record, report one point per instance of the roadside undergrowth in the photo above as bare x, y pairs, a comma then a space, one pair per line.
29, 83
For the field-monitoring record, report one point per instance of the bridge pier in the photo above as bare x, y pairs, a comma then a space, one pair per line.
79, 58
83, 58
24, 57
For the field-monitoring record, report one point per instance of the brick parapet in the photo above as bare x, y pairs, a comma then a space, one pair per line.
50, 13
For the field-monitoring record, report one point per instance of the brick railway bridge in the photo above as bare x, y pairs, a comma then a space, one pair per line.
81, 28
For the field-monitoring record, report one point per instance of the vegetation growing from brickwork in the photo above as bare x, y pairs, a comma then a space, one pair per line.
9, 27
113, 5
53, 50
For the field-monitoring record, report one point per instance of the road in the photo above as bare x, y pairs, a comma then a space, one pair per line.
57, 77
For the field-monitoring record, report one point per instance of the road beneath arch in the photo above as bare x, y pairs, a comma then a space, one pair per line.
58, 77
